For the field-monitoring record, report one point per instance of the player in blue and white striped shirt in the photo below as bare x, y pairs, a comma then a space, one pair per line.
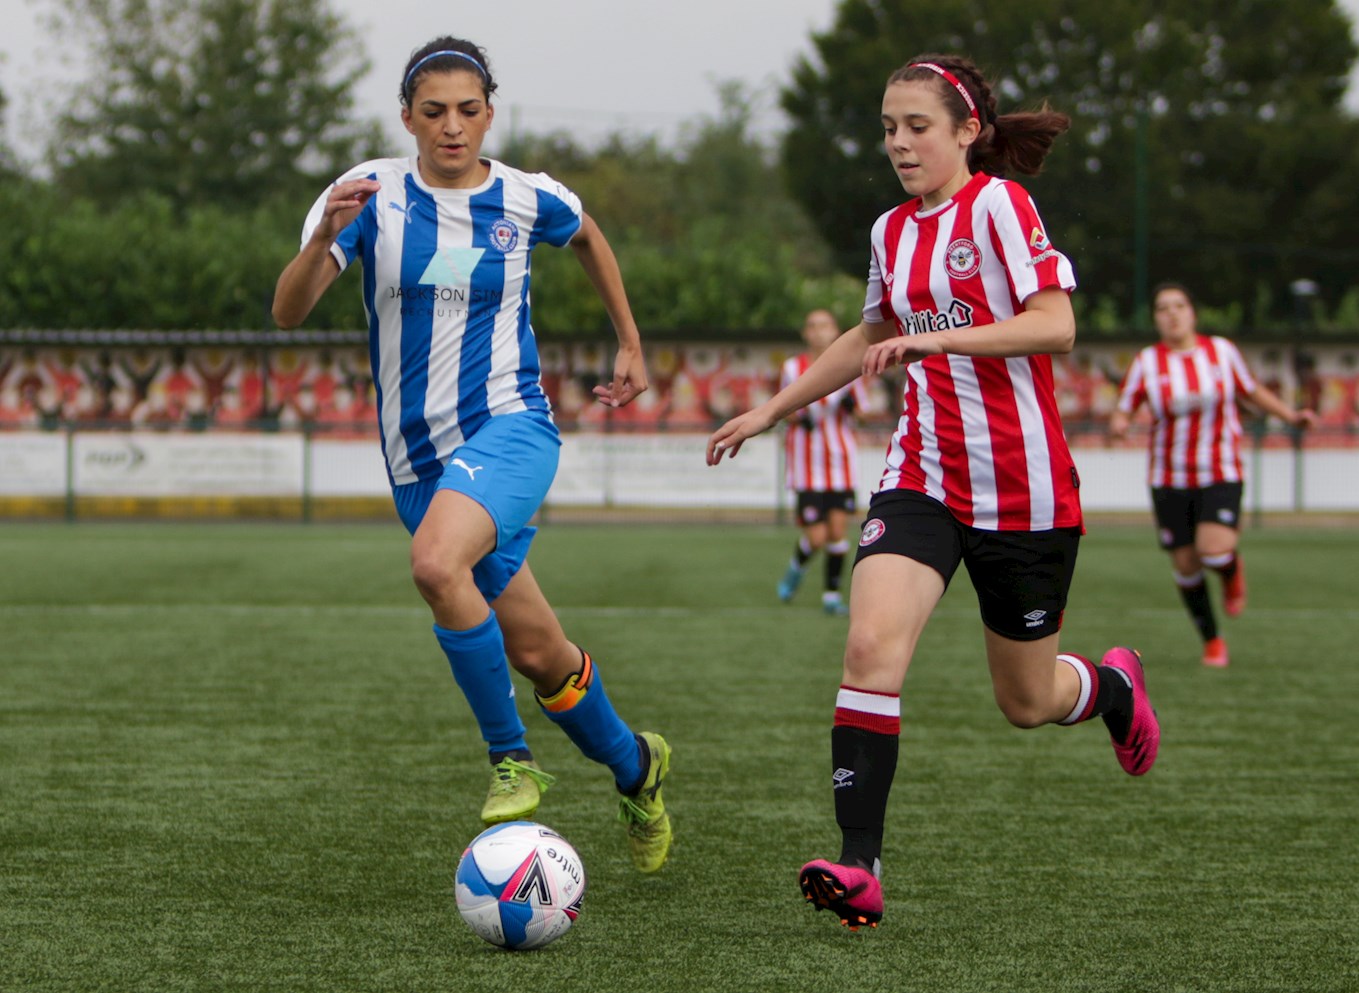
444, 239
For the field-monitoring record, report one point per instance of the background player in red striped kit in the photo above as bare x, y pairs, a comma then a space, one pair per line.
822, 466
1190, 383
966, 291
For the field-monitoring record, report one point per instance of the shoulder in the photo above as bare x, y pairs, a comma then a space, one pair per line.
1224, 347
894, 218
998, 194
535, 180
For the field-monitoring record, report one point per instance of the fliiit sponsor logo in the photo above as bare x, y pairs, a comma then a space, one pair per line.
958, 315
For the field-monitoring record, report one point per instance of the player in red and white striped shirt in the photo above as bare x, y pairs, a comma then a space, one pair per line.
821, 463
1191, 383
966, 291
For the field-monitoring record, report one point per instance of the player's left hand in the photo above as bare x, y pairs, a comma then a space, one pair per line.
900, 351
629, 378
727, 439
1306, 418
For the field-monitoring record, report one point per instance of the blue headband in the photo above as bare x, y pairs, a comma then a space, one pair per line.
438, 55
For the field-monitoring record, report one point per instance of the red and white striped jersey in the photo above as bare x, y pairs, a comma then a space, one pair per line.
1196, 430
982, 435
825, 456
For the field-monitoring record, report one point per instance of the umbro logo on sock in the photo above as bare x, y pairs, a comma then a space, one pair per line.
843, 777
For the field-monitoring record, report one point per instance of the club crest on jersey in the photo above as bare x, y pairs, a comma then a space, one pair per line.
873, 530
504, 234
963, 258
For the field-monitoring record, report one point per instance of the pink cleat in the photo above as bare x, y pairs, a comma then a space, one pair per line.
1138, 753
854, 894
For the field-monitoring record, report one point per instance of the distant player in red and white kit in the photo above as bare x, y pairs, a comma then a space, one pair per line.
822, 466
966, 291
1191, 383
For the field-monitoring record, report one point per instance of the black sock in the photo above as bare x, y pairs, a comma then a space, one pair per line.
802, 552
518, 754
1195, 598
835, 565
865, 764
1227, 570
1114, 702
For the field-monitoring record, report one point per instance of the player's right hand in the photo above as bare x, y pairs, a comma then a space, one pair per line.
344, 202
727, 439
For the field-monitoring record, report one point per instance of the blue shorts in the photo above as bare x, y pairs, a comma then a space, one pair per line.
507, 467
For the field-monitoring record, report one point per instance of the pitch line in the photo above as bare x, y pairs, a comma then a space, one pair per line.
392, 610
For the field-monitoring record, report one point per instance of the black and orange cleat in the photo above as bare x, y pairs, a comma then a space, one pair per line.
851, 892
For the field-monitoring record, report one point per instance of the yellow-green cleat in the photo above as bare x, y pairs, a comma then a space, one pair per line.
644, 813
515, 789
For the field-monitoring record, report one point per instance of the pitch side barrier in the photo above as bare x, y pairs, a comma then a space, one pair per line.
336, 472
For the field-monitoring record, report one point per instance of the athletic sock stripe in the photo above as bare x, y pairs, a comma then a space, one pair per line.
1189, 582
868, 711
868, 701
1085, 699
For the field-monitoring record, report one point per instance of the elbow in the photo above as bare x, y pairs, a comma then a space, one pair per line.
1064, 337
286, 318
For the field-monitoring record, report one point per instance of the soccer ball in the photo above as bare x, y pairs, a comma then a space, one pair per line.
520, 885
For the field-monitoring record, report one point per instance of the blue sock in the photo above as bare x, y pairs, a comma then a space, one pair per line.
477, 658
582, 709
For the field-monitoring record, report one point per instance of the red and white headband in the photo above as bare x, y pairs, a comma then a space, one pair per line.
957, 85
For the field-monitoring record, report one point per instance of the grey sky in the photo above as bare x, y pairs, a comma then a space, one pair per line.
592, 66
587, 66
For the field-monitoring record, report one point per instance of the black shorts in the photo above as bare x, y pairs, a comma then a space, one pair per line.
1021, 577
813, 507
1180, 512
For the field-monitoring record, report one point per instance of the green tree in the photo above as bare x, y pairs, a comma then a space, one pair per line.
1249, 155
8, 166
146, 264
210, 101
705, 233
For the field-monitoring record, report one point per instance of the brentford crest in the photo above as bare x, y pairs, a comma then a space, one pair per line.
963, 259
873, 530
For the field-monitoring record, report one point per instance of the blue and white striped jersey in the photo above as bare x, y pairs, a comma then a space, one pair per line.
446, 288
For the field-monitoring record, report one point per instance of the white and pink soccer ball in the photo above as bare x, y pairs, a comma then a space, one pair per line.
520, 885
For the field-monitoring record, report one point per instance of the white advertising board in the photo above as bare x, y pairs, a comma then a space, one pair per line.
32, 464
217, 464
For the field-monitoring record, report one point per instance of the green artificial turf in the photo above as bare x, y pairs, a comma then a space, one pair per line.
232, 758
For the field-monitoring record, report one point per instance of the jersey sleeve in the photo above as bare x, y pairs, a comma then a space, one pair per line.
1033, 263
1245, 382
877, 298
1133, 392
560, 214
351, 240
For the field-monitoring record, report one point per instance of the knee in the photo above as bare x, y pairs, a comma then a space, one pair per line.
435, 577
866, 655
1022, 711
541, 659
